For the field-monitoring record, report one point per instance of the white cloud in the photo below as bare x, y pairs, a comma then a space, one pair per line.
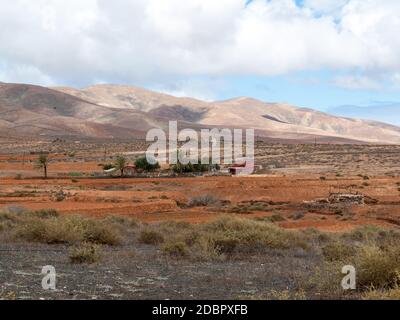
198, 88
79, 42
357, 82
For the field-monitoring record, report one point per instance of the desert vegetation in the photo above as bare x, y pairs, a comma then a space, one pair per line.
283, 233
42, 163
227, 241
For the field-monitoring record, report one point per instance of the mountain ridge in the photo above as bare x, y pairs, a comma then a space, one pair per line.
112, 111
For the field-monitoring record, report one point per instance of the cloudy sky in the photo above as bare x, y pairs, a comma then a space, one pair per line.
312, 53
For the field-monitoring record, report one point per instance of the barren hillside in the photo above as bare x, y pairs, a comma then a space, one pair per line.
122, 111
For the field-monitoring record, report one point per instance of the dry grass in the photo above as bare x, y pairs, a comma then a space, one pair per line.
375, 252
86, 253
391, 294
67, 230
338, 251
151, 237
46, 226
377, 267
222, 238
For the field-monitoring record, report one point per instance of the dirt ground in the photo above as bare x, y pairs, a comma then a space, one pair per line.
154, 200
289, 190
291, 175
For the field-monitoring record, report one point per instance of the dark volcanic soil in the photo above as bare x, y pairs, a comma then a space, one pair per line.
139, 272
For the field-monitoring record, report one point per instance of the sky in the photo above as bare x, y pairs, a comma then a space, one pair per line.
321, 54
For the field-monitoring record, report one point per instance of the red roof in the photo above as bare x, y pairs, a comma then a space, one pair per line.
130, 166
238, 165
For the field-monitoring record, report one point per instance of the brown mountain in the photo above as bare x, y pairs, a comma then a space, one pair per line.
105, 111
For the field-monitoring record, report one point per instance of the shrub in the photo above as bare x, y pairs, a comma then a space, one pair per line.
151, 237
338, 251
202, 201
144, 164
377, 268
60, 196
177, 249
298, 216
193, 168
53, 230
50, 231
100, 233
251, 234
75, 174
276, 218
85, 253
221, 238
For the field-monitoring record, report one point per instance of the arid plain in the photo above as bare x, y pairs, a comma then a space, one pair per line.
291, 178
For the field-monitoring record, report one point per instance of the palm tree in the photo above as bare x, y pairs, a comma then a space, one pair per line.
120, 164
42, 163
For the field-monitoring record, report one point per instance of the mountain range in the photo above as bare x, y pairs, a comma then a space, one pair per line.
115, 111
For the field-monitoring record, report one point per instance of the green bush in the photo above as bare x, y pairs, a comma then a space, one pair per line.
144, 164
75, 174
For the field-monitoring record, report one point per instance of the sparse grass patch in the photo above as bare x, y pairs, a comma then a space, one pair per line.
75, 174
44, 213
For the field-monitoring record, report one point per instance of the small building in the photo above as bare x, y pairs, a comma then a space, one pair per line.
238, 169
130, 170
244, 168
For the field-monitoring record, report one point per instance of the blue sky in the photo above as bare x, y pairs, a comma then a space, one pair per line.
306, 89
319, 54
